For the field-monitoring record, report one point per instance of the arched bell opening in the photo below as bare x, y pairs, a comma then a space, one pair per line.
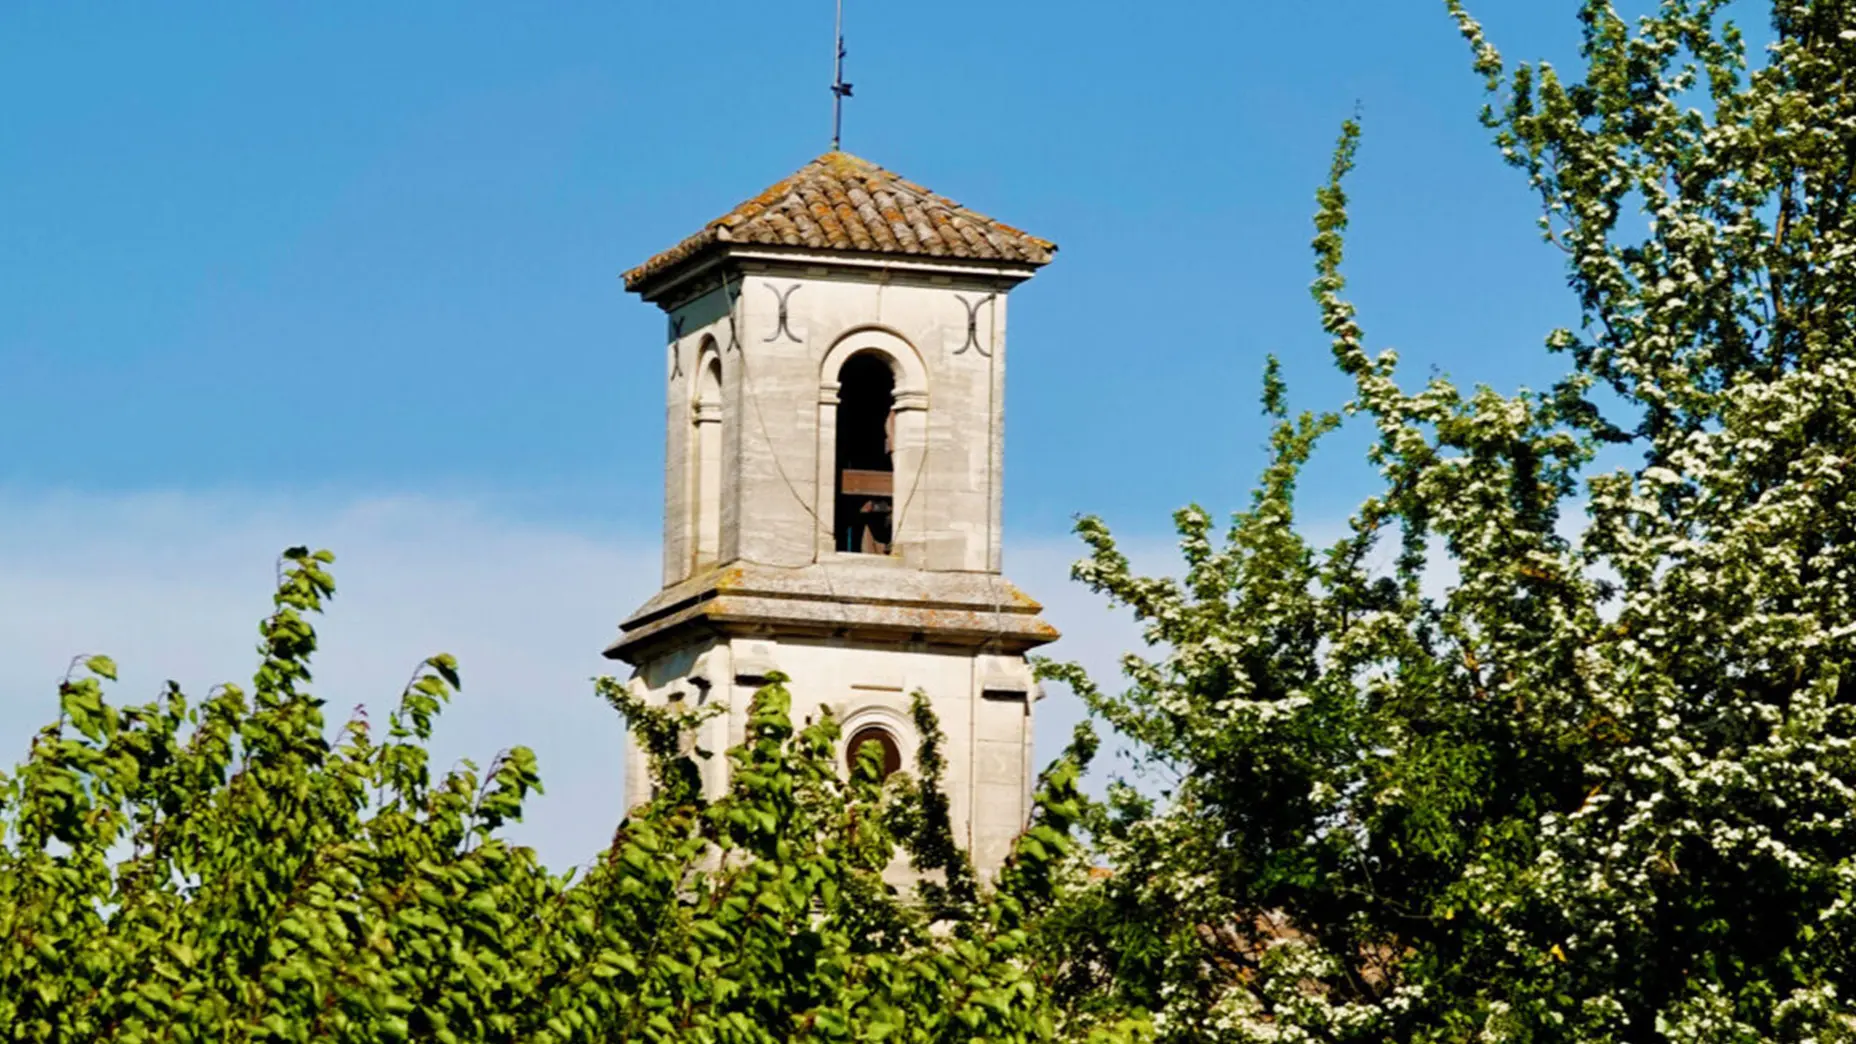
865, 463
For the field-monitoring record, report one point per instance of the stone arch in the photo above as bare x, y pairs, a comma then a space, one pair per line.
904, 359
895, 496
877, 718
706, 374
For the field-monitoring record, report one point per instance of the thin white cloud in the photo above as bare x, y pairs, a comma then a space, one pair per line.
173, 585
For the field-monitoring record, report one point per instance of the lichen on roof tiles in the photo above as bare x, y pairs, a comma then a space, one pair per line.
839, 202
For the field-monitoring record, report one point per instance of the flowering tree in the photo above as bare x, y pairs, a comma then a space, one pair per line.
1600, 786
222, 871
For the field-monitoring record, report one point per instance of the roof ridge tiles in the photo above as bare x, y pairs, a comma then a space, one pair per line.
844, 203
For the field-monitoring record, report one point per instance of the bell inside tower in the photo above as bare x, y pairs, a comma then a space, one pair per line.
866, 447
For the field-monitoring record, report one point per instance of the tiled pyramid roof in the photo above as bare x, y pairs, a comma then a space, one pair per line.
840, 202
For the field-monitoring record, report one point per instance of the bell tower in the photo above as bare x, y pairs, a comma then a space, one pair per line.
833, 480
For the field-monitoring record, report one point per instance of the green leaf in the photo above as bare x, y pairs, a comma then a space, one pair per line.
101, 666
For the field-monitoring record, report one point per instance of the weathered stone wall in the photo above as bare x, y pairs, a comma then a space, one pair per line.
780, 390
984, 704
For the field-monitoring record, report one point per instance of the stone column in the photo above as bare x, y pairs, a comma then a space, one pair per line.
708, 492
824, 498
909, 459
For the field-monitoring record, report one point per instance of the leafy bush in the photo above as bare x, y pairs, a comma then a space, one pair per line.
221, 870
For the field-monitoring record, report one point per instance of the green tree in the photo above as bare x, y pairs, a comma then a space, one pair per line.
224, 871
1579, 763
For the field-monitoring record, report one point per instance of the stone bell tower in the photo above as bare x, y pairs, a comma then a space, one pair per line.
833, 480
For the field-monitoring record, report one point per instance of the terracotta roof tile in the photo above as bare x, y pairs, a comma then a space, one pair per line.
839, 202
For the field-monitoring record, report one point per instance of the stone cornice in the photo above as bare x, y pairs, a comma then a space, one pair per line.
852, 597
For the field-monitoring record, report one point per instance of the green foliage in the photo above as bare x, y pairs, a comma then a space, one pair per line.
221, 870
1539, 751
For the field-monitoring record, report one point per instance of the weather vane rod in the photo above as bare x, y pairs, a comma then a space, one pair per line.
839, 89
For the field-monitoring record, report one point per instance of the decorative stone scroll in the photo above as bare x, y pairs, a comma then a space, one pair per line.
973, 325
782, 296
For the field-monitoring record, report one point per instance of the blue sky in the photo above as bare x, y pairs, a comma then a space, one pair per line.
350, 272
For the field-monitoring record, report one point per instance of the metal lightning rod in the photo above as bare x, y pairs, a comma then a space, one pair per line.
839, 89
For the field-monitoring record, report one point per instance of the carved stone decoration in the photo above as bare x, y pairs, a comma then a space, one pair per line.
729, 298
973, 325
781, 296
676, 345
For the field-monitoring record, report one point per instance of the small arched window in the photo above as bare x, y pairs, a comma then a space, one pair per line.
707, 464
884, 739
865, 470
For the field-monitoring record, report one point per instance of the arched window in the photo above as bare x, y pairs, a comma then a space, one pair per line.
706, 520
886, 740
866, 470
